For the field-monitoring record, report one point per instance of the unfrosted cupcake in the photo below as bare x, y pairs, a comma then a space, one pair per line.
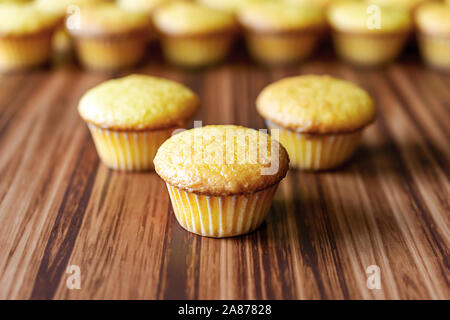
221, 179
433, 23
319, 119
25, 36
108, 37
280, 33
129, 118
359, 39
61, 40
194, 35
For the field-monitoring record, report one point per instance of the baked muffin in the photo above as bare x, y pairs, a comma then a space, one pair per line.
280, 33
433, 24
194, 35
25, 36
129, 118
108, 37
318, 119
221, 179
357, 38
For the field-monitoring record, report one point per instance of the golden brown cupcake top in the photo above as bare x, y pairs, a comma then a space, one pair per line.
221, 160
316, 104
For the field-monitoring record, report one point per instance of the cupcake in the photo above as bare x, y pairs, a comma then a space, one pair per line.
140, 5
280, 33
360, 40
221, 179
25, 36
108, 37
318, 119
433, 23
129, 118
61, 40
194, 35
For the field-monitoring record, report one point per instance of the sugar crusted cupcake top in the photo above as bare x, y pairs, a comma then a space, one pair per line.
180, 18
17, 19
316, 104
280, 16
108, 18
434, 18
353, 16
138, 102
221, 160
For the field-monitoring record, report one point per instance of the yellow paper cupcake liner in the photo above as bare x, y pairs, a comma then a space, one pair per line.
435, 50
317, 151
220, 217
369, 50
111, 53
22, 52
128, 150
281, 48
195, 52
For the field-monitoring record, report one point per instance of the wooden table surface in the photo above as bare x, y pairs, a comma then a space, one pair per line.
389, 207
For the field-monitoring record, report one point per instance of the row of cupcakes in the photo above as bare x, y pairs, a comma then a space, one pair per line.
110, 36
221, 179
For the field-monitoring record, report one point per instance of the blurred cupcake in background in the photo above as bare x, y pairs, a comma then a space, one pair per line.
108, 37
61, 39
25, 36
433, 23
281, 33
143, 6
193, 35
368, 35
